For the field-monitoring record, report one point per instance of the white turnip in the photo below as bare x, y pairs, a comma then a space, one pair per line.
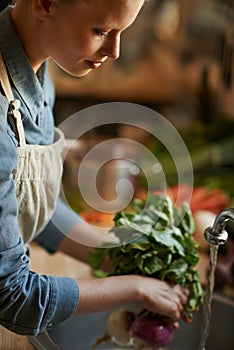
118, 328
118, 325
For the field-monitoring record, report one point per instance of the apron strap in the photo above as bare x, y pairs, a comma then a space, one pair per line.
14, 105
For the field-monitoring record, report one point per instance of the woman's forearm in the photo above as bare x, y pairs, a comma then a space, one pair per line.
106, 293
82, 239
150, 293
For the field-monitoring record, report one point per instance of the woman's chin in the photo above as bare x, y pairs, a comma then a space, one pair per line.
79, 73
75, 71
83, 72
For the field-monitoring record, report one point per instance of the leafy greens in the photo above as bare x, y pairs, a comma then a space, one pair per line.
156, 240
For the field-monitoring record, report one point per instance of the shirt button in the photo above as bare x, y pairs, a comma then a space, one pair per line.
50, 324
45, 104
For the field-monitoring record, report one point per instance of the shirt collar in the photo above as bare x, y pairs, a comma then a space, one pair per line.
19, 69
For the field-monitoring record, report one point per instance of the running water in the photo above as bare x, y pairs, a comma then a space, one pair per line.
208, 296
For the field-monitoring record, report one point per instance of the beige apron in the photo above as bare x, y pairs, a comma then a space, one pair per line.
37, 176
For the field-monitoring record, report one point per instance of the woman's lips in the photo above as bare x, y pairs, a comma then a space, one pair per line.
94, 65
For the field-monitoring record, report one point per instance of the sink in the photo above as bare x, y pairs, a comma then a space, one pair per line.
80, 333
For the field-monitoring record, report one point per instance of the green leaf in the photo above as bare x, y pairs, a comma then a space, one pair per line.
143, 246
178, 268
99, 273
187, 223
152, 265
125, 234
166, 238
96, 257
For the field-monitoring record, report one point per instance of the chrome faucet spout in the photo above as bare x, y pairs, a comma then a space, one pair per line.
217, 233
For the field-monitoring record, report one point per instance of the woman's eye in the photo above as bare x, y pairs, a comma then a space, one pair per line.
100, 33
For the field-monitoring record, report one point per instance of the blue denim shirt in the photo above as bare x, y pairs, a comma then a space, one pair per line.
29, 302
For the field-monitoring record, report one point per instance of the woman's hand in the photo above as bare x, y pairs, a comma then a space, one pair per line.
150, 293
162, 298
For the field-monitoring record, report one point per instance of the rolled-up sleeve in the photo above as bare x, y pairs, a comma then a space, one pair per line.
29, 302
62, 221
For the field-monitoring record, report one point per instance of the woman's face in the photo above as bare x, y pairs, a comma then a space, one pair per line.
82, 35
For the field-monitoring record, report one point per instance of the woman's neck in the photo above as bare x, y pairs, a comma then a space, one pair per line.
27, 27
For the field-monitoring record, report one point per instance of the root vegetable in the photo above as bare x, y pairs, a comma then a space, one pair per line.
118, 325
117, 328
150, 332
143, 332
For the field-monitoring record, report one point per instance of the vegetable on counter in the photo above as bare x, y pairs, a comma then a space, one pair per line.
203, 198
156, 240
207, 198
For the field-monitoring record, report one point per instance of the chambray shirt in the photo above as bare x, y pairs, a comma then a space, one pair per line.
29, 302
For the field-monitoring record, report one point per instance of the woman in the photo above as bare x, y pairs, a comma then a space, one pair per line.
79, 35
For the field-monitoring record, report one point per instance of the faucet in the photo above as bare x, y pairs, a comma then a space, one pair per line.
217, 234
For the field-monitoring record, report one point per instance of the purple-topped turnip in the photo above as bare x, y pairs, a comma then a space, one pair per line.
150, 332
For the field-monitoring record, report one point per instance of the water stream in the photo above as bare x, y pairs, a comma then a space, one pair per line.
208, 296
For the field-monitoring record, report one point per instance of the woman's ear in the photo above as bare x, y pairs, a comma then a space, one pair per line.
44, 8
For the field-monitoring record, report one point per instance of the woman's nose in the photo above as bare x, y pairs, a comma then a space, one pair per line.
111, 47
